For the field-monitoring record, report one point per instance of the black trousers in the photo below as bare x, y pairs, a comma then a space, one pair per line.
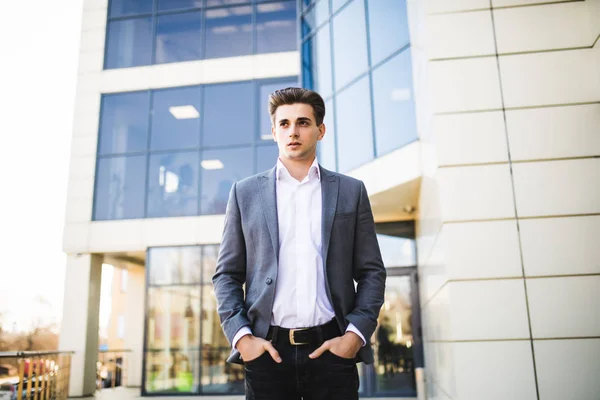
327, 377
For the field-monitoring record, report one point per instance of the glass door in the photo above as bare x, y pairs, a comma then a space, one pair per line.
396, 342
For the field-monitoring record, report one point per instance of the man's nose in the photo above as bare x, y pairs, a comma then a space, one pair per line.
293, 131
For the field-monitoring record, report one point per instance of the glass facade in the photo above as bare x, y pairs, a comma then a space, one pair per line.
145, 32
356, 54
177, 152
185, 348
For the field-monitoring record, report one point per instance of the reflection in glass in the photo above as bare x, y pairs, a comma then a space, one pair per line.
317, 15
119, 8
215, 3
388, 28
265, 118
266, 157
123, 123
349, 44
120, 189
395, 120
336, 4
129, 43
209, 263
173, 185
218, 376
220, 170
321, 62
276, 27
393, 340
174, 265
173, 334
178, 37
397, 251
228, 32
327, 145
353, 118
178, 4
228, 114
175, 119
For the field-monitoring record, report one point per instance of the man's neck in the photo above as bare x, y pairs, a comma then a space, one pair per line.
298, 169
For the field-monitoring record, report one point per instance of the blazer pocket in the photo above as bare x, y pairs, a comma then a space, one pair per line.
344, 215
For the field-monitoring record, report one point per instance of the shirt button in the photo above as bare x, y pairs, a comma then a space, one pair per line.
269, 281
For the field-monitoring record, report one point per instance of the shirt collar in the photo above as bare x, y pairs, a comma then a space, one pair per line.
314, 169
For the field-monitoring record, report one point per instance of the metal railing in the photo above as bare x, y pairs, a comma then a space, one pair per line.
111, 369
31, 375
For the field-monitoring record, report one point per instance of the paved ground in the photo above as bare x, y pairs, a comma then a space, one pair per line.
134, 394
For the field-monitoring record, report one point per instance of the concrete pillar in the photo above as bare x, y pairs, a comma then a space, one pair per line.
134, 323
80, 320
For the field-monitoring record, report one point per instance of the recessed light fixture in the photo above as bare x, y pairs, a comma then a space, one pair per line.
266, 137
212, 164
184, 112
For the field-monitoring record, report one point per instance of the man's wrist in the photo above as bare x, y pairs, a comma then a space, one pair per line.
353, 339
243, 341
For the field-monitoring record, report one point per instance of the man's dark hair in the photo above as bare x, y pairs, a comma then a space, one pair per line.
293, 95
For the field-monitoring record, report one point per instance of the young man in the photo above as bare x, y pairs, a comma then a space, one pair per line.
299, 236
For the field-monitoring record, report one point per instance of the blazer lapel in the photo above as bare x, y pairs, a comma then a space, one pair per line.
269, 204
329, 193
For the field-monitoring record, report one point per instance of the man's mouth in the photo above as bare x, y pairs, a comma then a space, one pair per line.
294, 144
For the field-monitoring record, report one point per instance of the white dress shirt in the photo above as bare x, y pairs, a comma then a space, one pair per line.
300, 295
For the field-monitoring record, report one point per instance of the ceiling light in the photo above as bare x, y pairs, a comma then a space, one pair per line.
266, 137
184, 112
212, 164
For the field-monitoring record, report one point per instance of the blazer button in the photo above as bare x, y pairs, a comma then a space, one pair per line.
269, 281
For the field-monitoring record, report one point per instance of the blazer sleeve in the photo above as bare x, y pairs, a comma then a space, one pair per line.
230, 273
368, 269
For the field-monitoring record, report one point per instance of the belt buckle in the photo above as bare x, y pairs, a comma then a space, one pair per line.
292, 340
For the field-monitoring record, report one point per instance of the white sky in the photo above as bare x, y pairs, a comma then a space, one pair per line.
39, 42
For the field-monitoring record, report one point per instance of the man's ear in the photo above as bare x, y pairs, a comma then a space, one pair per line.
322, 130
273, 133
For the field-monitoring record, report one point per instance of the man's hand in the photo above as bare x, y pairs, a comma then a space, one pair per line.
342, 346
252, 347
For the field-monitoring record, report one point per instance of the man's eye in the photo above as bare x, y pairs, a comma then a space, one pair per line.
282, 123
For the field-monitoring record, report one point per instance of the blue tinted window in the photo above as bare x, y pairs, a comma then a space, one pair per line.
388, 27
353, 117
175, 119
178, 4
220, 169
120, 183
264, 135
321, 58
336, 4
119, 8
395, 123
129, 43
173, 184
276, 27
178, 37
327, 145
349, 44
266, 157
216, 3
317, 15
228, 114
124, 123
228, 32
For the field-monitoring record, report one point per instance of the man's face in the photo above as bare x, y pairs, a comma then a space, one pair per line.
296, 131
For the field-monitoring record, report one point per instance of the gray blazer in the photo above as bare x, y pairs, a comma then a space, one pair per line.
249, 254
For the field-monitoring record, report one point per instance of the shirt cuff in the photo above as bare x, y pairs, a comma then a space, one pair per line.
352, 328
244, 330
